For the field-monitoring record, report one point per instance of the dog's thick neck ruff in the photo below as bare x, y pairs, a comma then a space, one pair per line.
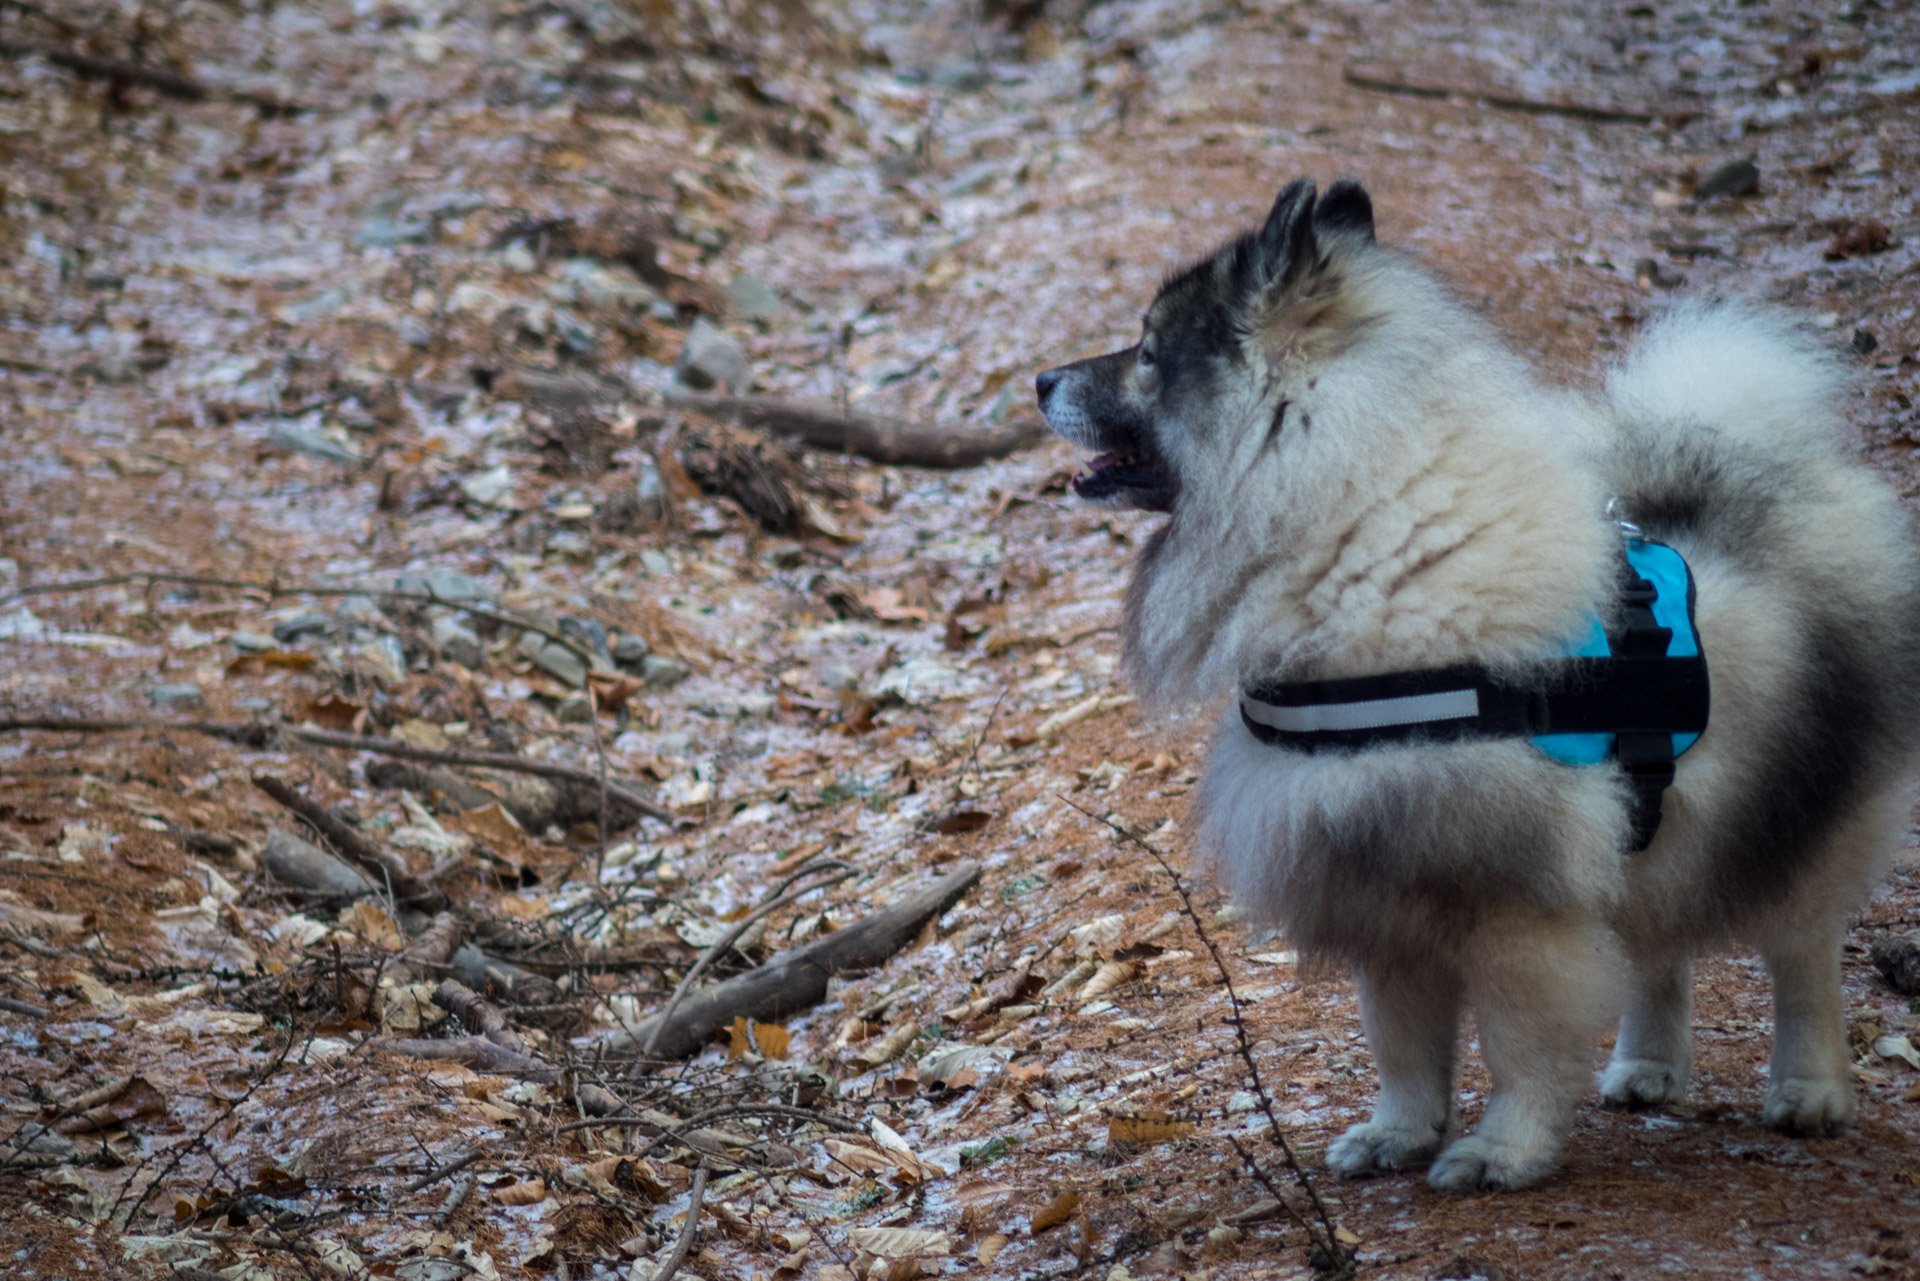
1638, 695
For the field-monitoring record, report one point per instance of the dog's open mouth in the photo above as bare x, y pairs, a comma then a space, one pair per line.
1126, 478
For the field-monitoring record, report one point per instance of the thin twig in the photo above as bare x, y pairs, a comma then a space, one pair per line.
260, 733
727, 940
698, 1119
159, 79
27, 1008
1321, 1236
440, 1172
695, 1195
1381, 80
274, 589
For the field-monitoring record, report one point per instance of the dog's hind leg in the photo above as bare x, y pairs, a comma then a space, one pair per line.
1540, 991
1412, 1023
1653, 1053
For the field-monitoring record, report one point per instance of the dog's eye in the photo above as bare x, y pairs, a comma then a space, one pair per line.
1146, 356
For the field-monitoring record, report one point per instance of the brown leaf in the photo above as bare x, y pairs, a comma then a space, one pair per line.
610, 691
332, 712
770, 1040
989, 1249
531, 1192
1056, 1211
138, 1098
963, 821
1111, 975
1859, 239
286, 660
1144, 1129
491, 823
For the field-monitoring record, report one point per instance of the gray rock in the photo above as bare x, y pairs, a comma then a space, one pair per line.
750, 298
385, 233
458, 644
1735, 178
960, 77
556, 660
253, 642
306, 437
661, 672
176, 696
631, 651
305, 866
388, 658
360, 609
590, 633
443, 584
655, 562
711, 357
1897, 957
574, 709
10, 572
413, 333
583, 280
650, 489
302, 626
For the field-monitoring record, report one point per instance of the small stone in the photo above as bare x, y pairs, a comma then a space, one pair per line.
176, 696
750, 298
1735, 178
308, 437
655, 562
574, 709
413, 333
387, 658
253, 642
556, 660
1897, 957
490, 488
1864, 342
518, 257
386, 233
302, 626
442, 584
590, 633
661, 672
458, 644
631, 651
650, 489
10, 569
711, 357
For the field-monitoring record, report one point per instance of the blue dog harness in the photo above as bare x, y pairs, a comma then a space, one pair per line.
1637, 695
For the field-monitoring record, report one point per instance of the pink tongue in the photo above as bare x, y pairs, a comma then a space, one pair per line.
1106, 460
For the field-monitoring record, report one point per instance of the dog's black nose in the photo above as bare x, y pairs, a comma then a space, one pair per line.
1044, 384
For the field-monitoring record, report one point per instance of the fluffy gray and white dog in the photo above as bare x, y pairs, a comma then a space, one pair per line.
1361, 478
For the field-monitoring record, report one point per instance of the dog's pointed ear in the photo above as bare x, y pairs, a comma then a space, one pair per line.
1346, 209
1286, 242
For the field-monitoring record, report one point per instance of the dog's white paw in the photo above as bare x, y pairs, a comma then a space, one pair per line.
1640, 1083
1374, 1148
1480, 1164
1809, 1106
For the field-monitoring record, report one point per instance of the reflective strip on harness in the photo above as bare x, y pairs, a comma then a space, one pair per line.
1372, 713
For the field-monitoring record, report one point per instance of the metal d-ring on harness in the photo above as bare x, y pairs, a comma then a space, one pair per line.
1637, 694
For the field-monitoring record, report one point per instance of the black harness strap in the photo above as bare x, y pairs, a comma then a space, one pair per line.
1637, 693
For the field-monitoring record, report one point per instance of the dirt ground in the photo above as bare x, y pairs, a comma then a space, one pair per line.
394, 302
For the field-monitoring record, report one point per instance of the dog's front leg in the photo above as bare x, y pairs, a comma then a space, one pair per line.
1541, 990
1412, 1023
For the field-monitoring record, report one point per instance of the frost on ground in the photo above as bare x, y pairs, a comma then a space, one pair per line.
389, 388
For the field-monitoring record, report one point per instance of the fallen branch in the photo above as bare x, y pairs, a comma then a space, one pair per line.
1387, 80
273, 590
27, 1008
376, 862
480, 1015
695, 1195
593, 1100
159, 79
430, 951
740, 927
796, 979
883, 440
440, 1172
261, 733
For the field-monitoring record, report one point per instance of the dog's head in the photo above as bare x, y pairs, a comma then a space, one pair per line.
1215, 353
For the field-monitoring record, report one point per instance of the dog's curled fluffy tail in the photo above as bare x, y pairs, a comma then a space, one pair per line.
1735, 369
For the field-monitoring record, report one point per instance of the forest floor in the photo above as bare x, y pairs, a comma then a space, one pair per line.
396, 304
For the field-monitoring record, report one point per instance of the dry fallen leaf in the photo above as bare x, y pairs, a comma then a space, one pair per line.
1056, 1211
373, 925
273, 659
491, 823
1143, 1129
531, 1192
768, 1039
889, 1046
333, 712
962, 821
1111, 975
900, 1243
